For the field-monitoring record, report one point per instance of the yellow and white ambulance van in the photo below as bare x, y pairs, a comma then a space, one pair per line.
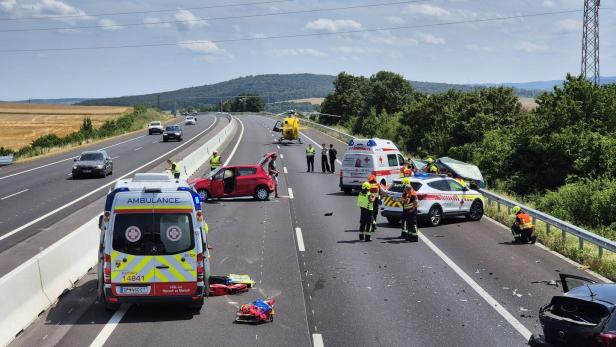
153, 245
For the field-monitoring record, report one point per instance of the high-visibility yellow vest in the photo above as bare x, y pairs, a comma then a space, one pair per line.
175, 168
363, 201
310, 151
215, 161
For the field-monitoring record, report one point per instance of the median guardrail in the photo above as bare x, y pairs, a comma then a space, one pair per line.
550, 221
6, 160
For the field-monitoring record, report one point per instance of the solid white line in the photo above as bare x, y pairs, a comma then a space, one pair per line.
318, 145
317, 340
291, 193
12, 232
102, 337
300, 240
284, 169
19, 192
138, 148
237, 144
63, 160
484, 294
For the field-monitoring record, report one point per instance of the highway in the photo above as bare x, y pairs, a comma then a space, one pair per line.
462, 284
37, 194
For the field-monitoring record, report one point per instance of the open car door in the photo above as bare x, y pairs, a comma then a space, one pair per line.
277, 127
571, 282
265, 158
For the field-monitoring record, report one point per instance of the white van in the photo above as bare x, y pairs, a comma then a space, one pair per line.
153, 245
364, 157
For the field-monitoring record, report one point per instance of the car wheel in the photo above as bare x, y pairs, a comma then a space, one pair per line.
262, 193
435, 215
476, 211
203, 194
75, 176
393, 220
150, 132
164, 140
347, 191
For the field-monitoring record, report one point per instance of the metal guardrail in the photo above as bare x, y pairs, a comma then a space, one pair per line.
565, 227
6, 160
550, 222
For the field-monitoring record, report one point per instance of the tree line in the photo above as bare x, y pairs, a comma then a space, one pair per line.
560, 155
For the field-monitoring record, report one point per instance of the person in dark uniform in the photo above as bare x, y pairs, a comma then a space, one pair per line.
324, 161
333, 153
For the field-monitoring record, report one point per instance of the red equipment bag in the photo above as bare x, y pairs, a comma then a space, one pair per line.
237, 288
218, 290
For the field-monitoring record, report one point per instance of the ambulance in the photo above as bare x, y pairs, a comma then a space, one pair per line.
153, 243
364, 157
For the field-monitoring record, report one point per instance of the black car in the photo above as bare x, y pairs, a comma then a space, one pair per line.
92, 163
583, 316
172, 132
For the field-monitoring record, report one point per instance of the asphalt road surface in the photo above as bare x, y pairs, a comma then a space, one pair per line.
36, 189
462, 284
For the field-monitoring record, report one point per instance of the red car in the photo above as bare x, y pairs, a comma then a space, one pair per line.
236, 181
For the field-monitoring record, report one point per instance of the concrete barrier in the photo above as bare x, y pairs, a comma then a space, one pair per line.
37, 284
22, 299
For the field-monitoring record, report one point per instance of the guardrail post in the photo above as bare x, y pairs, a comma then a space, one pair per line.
581, 241
547, 228
600, 252
563, 237
497, 206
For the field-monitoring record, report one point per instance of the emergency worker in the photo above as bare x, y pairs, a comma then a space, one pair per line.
175, 168
522, 228
365, 202
273, 172
375, 190
310, 151
409, 212
215, 161
431, 166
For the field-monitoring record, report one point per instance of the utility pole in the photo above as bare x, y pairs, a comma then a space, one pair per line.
590, 41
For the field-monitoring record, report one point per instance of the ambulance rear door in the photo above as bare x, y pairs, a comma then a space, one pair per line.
356, 167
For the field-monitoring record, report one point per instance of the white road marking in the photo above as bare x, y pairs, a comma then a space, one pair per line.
291, 193
237, 144
66, 159
484, 294
116, 157
278, 146
12, 232
281, 156
19, 192
156, 142
284, 169
138, 148
318, 145
317, 340
102, 337
300, 240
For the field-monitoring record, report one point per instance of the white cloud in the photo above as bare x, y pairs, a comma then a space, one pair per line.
8, 5
430, 39
202, 47
258, 35
478, 48
569, 25
332, 26
427, 11
395, 19
548, 3
282, 52
155, 22
108, 24
50, 8
530, 47
386, 38
188, 20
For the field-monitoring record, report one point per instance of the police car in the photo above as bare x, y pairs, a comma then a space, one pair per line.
439, 197
153, 243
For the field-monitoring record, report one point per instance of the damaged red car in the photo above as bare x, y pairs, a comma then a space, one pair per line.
237, 181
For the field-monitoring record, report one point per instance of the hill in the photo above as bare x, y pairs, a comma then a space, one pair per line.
546, 85
63, 101
274, 88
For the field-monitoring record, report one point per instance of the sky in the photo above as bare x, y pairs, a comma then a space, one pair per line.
187, 44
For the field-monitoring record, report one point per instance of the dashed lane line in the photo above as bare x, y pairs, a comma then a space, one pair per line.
138, 148
12, 195
102, 337
317, 340
290, 193
284, 169
300, 240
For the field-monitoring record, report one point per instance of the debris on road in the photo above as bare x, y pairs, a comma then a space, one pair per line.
329, 214
523, 309
549, 283
515, 293
258, 311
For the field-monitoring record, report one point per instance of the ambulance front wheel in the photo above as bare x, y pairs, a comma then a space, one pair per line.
347, 191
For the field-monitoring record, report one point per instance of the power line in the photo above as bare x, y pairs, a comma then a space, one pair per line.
166, 44
217, 18
145, 12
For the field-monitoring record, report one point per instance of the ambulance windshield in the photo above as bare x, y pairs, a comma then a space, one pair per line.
153, 234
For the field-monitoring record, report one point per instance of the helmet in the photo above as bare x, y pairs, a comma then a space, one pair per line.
365, 185
516, 209
406, 181
274, 155
430, 160
372, 178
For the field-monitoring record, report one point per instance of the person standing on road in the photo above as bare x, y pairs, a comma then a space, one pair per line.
375, 190
522, 228
215, 161
409, 212
333, 153
175, 168
365, 202
324, 161
273, 172
310, 152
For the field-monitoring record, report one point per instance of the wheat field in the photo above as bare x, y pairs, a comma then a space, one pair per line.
22, 123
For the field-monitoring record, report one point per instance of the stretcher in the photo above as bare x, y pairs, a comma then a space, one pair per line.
258, 311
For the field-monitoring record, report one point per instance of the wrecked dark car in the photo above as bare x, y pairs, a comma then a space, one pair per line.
582, 316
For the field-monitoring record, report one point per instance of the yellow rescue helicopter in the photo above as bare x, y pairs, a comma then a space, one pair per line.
288, 127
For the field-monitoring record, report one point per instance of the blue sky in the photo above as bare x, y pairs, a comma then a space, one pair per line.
515, 50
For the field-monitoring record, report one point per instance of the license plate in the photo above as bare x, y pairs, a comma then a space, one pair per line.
134, 290
87, 171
